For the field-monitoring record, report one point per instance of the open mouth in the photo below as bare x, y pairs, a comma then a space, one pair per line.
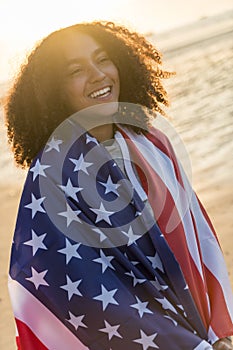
101, 93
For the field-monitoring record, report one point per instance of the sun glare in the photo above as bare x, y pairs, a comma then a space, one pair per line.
25, 22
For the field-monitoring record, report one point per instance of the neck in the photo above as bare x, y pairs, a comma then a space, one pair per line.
103, 132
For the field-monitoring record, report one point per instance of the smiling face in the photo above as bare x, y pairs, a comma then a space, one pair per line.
90, 76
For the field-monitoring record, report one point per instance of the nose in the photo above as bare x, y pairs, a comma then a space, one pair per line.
95, 74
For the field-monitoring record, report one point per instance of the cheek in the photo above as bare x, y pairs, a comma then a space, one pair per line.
74, 88
116, 74
73, 94
112, 72
117, 79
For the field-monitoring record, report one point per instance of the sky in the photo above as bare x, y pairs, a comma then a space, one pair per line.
24, 22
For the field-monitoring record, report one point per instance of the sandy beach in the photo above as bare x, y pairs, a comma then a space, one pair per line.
201, 112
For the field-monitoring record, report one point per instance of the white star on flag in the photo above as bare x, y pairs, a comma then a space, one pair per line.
110, 186
182, 308
35, 205
89, 138
80, 164
166, 305
101, 234
106, 297
36, 242
171, 319
72, 287
131, 236
105, 261
53, 144
37, 278
157, 285
70, 251
132, 261
70, 215
141, 307
156, 262
102, 214
135, 262
147, 340
38, 169
71, 190
76, 321
110, 330
135, 279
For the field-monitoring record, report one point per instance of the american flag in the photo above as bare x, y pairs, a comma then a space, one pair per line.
90, 266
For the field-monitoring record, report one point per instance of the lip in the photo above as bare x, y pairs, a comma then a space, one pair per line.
101, 88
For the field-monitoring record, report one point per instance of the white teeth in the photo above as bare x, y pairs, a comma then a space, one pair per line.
100, 92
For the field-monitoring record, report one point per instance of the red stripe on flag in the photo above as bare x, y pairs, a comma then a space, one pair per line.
158, 193
27, 339
164, 208
177, 242
161, 141
208, 220
223, 327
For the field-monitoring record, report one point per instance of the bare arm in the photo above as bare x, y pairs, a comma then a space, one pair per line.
223, 344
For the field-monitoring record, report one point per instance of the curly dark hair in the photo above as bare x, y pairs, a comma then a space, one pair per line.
34, 107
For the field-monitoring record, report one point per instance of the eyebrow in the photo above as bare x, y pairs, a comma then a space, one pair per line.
78, 60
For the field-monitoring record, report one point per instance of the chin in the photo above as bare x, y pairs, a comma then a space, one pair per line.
106, 109
97, 115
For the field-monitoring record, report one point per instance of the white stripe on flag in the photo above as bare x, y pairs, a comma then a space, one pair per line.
43, 323
128, 166
163, 166
206, 238
204, 345
212, 336
211, 253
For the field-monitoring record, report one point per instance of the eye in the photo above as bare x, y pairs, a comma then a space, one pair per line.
103, 59
75, 70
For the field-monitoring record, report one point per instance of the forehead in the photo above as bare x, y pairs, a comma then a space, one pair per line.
80, 46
